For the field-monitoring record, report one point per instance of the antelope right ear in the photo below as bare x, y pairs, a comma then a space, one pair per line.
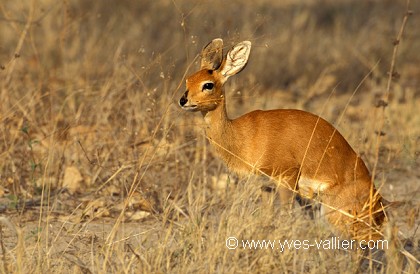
212, 55
236, 59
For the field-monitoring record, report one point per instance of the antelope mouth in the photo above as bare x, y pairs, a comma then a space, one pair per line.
190, 108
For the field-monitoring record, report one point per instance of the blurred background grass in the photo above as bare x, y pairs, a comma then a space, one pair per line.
297, 40
90, 89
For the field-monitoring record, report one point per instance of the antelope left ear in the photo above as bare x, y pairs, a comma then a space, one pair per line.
212, 55
236, 59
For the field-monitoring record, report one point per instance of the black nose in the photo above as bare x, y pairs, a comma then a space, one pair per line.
183, 99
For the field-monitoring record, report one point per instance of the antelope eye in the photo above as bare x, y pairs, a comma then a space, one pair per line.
208, 86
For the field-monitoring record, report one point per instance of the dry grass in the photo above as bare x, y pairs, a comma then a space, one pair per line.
100, 171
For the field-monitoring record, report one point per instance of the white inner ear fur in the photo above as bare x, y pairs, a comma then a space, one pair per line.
236, 59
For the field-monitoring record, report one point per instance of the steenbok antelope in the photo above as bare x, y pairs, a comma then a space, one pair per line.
304, 153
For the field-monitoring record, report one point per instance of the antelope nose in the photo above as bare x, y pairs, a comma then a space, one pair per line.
183, 99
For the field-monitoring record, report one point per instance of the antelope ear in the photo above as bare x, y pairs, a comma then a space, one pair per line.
212, 55
236, 59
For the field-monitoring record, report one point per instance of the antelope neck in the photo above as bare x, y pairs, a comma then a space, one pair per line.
217, 121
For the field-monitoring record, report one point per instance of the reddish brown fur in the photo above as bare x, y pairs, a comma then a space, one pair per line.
290, 145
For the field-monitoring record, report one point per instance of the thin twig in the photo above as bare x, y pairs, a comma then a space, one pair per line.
19, 45
384, 101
